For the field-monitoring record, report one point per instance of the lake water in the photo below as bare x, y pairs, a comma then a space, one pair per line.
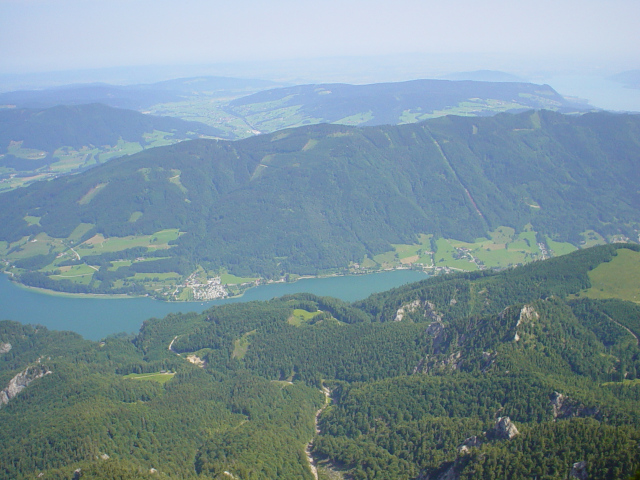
95, 318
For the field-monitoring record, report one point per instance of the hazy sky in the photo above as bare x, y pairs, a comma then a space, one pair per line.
44, 35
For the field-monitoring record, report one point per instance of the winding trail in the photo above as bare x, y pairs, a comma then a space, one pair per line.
171, 344
626, 328
312, 462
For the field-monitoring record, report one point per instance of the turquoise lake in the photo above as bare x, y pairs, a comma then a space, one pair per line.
96, 318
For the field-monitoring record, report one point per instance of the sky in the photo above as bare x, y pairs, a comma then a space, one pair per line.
55, 35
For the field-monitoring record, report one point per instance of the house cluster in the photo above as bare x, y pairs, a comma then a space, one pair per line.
211, 290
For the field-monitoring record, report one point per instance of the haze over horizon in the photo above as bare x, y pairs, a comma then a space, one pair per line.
43, 35
45, 43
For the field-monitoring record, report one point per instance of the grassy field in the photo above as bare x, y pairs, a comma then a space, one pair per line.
356, 119
153, 377
472, 107
559, 248
241, 345
619, 278
592, 238
503, 248
301, 317
98, 244
67, 159
208, 111
228, 279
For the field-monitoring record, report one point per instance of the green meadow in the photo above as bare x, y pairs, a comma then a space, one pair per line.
619, 278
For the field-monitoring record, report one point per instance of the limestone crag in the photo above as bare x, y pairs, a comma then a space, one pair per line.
565, 407
407, 308
505, 428
579, 471
5, 348
411, 307
21, 381
469, 443
439, 363
527, 314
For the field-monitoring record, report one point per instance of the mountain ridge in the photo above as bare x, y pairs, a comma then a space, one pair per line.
317, 198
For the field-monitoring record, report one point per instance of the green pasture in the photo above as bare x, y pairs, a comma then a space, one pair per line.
205, 110
98, 244
560, 248
15, 149
448, 256
592, 239
175, 179
228, 279
386, 259
158, 139
619, 278
32, 220
134, 217
241, 345
41, 244
79, 232
301, 317
356, 119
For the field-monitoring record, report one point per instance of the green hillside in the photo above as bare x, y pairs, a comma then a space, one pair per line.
476, 375
450, 193
40, 144
391, 103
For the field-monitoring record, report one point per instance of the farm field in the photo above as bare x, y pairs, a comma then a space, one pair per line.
502, 249
67, 159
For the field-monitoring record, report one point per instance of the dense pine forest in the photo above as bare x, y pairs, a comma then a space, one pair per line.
513, 374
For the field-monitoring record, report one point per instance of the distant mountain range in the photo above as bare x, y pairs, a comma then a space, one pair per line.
135, 97
316, 198
240, 108
392, 103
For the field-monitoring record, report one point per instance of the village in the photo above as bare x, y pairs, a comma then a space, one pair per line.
212, 290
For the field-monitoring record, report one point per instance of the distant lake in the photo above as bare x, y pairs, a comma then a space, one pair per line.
96, 318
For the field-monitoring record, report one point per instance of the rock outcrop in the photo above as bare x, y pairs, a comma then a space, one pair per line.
505, 428
5, 348
565, 407
527, 314
469, 443
579, 471
407, 308
21, 381
429, 310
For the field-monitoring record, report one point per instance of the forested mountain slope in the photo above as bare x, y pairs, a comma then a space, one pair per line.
485, 375
316, 198
61, 139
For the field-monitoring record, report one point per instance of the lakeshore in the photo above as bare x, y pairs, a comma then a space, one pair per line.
95, 317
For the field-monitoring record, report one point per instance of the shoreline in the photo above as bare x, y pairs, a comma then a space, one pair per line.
115, 296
